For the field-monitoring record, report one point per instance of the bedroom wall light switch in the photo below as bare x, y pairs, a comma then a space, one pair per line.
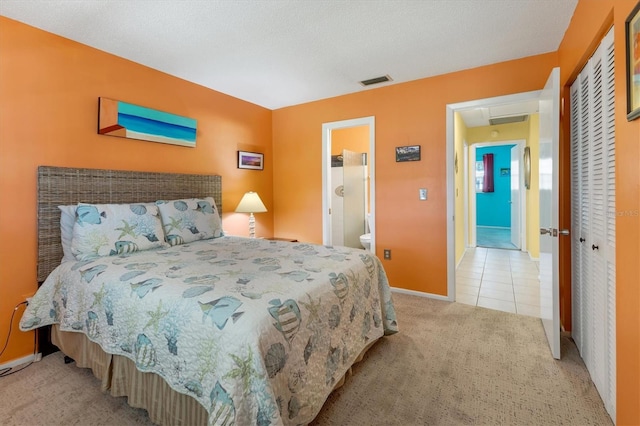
422, 192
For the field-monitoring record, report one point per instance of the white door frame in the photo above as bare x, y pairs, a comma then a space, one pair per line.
327, 128
450, 114
469, 238
472, 212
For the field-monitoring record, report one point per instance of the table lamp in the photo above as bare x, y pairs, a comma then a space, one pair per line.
251, 203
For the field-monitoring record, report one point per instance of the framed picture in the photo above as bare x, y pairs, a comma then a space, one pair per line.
632, 30
125, 120
408, 153
250, 160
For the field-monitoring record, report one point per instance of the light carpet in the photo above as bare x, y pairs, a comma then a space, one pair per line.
451, 364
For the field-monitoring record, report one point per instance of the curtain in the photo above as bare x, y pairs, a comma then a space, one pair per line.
487, 184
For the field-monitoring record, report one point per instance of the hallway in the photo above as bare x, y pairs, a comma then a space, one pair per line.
504, 280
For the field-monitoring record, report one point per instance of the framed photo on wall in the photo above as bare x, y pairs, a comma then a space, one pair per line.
250, 160
632, 31
407, 153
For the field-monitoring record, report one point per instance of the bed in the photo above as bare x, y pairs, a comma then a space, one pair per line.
222, 330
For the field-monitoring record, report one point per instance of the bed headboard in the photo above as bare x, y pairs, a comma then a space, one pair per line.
62, 186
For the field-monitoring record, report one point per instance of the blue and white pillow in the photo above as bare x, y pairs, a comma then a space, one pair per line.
114, 229
190, 220
67, 219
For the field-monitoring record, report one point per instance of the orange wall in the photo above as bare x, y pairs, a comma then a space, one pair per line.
590, 22
49, 89
354, 139
406, 114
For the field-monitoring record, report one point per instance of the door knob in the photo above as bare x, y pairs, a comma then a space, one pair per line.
545, 231
563, 232
594, 247
582, 240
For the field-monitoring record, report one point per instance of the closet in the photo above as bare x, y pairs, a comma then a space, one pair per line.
593, 220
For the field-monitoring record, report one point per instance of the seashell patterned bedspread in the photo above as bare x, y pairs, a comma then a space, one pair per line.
257, 331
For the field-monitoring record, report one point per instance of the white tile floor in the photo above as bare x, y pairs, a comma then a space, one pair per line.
505, 280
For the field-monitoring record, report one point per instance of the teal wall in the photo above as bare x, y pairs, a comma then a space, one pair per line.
493, 208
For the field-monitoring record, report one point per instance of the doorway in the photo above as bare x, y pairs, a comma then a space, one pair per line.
496, 219
348, 213
465, 236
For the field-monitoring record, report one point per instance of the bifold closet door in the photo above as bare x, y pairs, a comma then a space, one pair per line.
593, 219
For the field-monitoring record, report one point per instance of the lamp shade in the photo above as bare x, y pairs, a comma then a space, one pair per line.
251, 203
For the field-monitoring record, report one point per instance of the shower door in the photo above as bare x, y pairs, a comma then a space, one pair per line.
354, 180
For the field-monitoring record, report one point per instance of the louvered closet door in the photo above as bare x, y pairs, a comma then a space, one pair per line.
609, 241
593, 219
582, 293
576, 209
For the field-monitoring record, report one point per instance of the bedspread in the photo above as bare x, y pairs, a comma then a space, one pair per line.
257, 331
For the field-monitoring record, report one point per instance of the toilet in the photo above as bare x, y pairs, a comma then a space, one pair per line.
365, 239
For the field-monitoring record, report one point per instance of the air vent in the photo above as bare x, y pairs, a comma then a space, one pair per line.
506, 120
376, 80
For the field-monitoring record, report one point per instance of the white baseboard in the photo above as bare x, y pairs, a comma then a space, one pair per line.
25, 359
420, 294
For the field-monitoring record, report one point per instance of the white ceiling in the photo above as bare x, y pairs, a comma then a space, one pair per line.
277, 53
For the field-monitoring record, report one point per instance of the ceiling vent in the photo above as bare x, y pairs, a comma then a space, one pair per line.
376, 80
506, 120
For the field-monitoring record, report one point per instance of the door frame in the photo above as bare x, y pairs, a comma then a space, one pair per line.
470, 237
327, 128
451, 109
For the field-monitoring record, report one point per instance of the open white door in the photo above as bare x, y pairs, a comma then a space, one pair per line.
515, 196
549, 207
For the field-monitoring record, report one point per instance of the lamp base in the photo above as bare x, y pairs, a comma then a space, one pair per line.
252, 226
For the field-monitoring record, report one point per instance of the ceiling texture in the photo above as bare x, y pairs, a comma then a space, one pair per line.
278, 53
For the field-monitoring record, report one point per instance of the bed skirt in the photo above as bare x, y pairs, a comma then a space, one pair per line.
119, 377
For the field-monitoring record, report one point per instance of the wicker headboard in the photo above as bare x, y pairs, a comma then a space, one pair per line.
63, 186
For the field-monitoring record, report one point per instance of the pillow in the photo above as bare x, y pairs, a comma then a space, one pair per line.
113, 229
67, 219
189, 220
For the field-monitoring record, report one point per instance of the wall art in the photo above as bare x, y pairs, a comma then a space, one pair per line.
632, 30
250, 160
407, 153
125, 120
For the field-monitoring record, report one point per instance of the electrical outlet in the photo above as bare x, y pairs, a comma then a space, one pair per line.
387, 254
422, 194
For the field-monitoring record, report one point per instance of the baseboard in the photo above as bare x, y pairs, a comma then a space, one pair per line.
420, 294
535, 259
20, 361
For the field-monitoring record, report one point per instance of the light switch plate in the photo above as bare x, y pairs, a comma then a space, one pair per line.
422, 193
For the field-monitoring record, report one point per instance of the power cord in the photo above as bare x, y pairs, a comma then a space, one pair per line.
7, 371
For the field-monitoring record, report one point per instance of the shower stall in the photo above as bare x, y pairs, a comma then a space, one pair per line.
349, 198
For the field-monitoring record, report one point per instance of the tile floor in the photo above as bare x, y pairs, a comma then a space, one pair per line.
505, 280
494, 237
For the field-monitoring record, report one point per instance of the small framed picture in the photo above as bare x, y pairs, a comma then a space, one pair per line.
407, 153
250, 160
632, 30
